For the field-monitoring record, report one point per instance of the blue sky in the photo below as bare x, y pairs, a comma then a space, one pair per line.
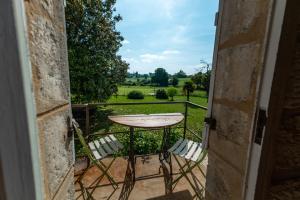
173, 34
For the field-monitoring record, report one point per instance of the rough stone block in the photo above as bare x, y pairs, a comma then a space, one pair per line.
223, 181
237, 70
225, 148
232, 124
57, 148
238, 17
48, 52
51, 9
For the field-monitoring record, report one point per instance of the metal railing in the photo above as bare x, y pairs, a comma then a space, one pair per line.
88, 106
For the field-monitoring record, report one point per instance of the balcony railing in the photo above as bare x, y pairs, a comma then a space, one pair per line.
191, 128
86, 108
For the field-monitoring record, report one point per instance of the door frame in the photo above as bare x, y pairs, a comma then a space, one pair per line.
19, 148
284, 64
274, 35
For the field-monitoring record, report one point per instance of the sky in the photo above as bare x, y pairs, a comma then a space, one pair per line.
173, 34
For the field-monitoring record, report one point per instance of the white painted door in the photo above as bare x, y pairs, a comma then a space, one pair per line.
205, 132
20, 176
263, 102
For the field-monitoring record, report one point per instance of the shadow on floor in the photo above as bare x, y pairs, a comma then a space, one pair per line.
153, 181
185, 194
128, 184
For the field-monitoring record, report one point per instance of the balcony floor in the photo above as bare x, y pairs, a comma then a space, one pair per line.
151, 187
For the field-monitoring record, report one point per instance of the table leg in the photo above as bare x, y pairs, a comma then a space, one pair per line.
131, 152
164, 154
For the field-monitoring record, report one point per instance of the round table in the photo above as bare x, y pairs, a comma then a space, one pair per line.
151, 121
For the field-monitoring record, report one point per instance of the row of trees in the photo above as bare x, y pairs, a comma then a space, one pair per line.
137, 75
201, 79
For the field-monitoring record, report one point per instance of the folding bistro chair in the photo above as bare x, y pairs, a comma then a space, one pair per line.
97, 150
193, 153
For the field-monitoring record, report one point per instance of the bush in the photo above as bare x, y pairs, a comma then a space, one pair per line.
172, 92
161, 94
148, 142
134, 94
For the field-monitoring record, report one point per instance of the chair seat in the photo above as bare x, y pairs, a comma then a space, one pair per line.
105, 146
187, 149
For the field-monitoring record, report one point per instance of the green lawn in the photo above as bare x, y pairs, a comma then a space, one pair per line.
195, 115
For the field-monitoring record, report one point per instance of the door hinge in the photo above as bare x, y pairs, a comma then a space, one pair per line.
70, 128
260, 125
212, 122
216, 19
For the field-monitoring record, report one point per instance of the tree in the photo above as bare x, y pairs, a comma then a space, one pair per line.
197, 79
206, 81
146, 76
93, 43
206, 75
188, 88
160, 77
171, 93
180, 74
174, 81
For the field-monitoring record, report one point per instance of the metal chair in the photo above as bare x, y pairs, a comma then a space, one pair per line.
193, 154
97, 150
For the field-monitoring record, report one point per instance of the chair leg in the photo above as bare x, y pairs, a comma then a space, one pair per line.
184, 173
84, 191
104, 173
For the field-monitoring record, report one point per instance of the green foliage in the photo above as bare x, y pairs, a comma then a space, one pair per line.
197, 79
135, 95
147, 142
206, 81
93, 43
172, 92
161, 94
202, 80
160, 77
180, 74
174, 81
188, 87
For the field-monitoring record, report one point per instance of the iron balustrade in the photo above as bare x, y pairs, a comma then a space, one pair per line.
186, 104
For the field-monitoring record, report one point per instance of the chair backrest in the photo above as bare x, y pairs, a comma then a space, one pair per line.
82, 140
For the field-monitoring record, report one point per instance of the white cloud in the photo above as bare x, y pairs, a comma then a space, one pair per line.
130, 60
180, 35
125, 42
168, 6
165, 55
171, 52
150, 58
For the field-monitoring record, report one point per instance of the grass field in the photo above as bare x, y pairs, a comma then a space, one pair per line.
195, 115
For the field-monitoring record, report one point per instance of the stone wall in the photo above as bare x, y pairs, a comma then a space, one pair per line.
48, 53
241, 48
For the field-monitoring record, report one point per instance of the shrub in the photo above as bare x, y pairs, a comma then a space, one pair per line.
134, 94
172, 92
161, 94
